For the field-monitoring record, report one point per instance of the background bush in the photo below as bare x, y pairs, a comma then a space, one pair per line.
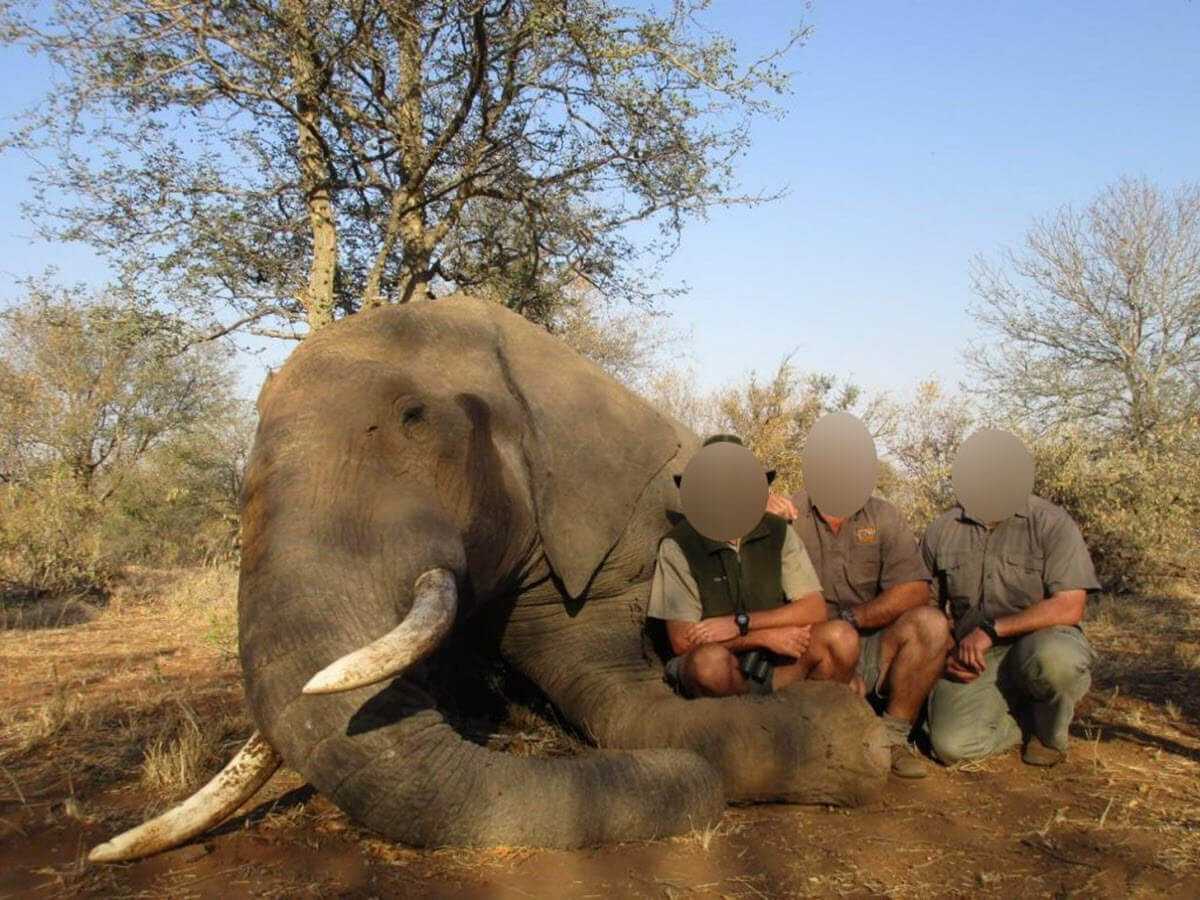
120, 444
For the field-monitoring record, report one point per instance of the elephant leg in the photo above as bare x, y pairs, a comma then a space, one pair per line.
811, 742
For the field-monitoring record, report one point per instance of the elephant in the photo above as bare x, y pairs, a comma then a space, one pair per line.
446, 468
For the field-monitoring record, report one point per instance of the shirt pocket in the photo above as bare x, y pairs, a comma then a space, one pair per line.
1020, 577
959, 580
863, 571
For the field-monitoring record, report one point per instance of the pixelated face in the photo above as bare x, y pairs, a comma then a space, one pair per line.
992, 475
839, 464
723, 491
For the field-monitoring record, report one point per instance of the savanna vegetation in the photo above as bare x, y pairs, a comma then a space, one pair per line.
266, 168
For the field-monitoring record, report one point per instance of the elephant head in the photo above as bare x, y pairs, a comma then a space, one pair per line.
450, 467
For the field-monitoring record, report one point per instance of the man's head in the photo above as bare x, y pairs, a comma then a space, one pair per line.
992, 475
729, 439
839, 465
723, 490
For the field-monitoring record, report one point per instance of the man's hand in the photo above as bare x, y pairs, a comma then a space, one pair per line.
959, 672
786, 640
712, 631
781, 506
969, 652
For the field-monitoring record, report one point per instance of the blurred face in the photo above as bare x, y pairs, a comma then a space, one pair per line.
723, 491
839, 465
992, 475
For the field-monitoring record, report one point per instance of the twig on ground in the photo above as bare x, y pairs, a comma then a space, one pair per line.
1061, 857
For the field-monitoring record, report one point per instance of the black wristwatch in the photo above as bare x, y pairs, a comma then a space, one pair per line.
743, 623
988, 627
846, 613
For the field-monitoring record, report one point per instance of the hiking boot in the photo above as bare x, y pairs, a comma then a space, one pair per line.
1038, 754
907, 762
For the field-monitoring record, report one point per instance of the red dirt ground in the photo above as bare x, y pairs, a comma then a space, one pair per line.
82, 705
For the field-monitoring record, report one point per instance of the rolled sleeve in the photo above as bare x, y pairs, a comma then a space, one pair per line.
1068, 565
798, 575
674, 594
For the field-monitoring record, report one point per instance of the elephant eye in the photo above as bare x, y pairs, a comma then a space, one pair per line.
413, 415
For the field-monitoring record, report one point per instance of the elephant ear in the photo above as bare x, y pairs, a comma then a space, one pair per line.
591, 445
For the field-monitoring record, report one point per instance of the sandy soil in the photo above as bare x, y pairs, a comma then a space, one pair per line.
104, 716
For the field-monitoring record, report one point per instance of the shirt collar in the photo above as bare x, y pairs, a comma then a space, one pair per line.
1022, 513
808, 508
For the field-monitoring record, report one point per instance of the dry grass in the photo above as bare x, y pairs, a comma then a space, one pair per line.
186, 752
86, 706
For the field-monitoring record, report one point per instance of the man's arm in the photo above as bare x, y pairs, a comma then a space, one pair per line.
1064, 608
789, 640
800, 613
891, 604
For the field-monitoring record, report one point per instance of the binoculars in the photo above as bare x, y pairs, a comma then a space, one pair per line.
756, 666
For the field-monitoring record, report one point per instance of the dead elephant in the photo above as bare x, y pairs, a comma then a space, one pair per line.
429, 467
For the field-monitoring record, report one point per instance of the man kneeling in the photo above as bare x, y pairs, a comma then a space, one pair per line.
745, 615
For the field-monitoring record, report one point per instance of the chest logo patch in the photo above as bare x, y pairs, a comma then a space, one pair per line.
866, 534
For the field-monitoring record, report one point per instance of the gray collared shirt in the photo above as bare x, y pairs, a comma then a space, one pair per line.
873, 551
1028, 557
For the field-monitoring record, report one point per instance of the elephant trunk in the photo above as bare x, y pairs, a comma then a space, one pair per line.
814, 742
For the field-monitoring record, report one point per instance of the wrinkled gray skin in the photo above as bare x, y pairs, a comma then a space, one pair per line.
455, 434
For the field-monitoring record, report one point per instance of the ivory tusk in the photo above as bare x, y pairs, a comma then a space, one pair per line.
427, 623
216, 801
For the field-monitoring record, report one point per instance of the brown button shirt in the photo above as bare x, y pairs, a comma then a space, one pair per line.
874, 550
1029, 556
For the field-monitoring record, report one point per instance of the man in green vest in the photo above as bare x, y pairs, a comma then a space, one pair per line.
746, 615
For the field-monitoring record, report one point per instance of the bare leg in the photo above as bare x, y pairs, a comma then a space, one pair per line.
712, 671
831, 656
912, 658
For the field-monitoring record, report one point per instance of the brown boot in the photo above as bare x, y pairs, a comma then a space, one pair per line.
1038, 754
907, 762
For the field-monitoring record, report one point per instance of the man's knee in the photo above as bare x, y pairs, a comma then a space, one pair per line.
926, 627
952, 743
839, 640
709, 669
1055, 663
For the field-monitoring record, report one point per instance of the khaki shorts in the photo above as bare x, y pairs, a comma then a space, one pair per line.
870, 647
672, 675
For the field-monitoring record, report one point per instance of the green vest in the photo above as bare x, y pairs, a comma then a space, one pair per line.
723, 578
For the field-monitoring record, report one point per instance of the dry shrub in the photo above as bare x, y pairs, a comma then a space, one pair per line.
1137, 505
50, 542
772, 415
207, 596
927, 432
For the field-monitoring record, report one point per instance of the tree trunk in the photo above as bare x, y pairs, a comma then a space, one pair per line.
317, 294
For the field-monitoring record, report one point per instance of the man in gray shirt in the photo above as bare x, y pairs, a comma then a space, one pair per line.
1016, 591
874, 579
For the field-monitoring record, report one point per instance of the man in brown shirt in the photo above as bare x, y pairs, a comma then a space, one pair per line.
873, 578
1016, 590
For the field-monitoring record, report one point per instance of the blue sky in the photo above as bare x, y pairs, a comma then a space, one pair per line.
917, 135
